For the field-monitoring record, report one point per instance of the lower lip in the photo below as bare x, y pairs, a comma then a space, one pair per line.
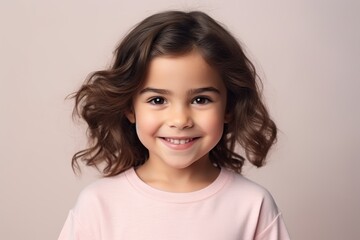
179, 146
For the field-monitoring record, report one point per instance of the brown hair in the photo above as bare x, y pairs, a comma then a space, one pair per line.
106, 96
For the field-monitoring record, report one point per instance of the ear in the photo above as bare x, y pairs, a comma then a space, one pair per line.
227, 117
130, 116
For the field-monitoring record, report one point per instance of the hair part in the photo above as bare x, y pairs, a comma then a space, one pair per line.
106, 96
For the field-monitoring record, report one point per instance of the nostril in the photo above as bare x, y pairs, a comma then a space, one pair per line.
182, 125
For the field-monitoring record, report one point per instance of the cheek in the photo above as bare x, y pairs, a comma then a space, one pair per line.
146, 124
213, 124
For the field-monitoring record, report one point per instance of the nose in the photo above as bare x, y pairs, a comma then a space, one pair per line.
180, 117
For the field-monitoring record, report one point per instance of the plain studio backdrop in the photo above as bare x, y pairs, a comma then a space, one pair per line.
307, 53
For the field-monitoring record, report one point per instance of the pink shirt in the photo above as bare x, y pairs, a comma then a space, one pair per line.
124, 207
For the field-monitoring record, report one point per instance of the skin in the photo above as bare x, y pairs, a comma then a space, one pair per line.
179, 115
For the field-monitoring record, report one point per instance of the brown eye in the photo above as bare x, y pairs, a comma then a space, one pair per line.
201, 100
157, 101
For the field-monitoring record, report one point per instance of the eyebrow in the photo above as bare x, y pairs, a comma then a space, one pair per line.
190, 92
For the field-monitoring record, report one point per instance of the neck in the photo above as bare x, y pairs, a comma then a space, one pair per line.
195, 177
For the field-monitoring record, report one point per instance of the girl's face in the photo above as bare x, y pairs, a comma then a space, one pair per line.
180, 111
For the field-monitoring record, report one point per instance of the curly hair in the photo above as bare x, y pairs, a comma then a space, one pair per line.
107, 95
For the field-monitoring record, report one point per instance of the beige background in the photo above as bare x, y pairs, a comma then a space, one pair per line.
307, 51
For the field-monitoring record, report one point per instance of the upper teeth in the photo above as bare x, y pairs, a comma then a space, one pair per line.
178, 141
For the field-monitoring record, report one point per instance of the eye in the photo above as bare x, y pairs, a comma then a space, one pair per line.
157, 100
201, 100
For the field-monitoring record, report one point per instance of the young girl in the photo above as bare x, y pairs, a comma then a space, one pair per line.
163, 122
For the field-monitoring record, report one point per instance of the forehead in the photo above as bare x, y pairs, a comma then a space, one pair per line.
190, 69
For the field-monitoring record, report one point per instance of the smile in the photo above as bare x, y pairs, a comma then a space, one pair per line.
177, 141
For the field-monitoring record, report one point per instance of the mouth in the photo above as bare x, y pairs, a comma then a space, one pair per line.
179, 141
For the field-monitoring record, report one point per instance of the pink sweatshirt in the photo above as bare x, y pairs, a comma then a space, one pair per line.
124, 207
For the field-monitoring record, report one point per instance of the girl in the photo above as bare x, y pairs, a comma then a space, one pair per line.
163, 122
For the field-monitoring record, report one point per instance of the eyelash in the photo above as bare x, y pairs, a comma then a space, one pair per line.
202, 99
197, 100
155, 100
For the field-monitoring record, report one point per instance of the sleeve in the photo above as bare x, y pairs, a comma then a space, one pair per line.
72, 229
276, 230
86, 219
270, 223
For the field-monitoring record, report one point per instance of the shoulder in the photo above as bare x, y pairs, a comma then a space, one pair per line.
245, 191
257, 203
102, 185
246, 186
102, 190
96, 201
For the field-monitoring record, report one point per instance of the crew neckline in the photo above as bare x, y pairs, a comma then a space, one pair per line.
175, 197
